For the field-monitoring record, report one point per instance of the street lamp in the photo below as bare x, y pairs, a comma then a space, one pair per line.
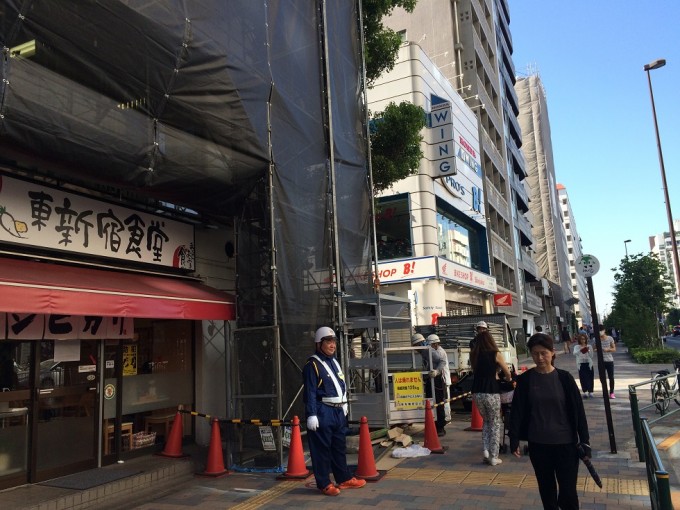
625, 245
676, 264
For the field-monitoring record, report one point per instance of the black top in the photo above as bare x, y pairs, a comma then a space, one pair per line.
485, 373
549, 421
523, 408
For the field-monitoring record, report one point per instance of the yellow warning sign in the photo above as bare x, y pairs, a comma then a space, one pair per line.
408, 390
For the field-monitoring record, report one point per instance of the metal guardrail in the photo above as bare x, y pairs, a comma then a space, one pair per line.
657, 476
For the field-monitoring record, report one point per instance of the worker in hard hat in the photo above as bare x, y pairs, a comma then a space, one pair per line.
441, 375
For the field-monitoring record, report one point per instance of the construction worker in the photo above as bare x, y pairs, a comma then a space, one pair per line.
325, 398
441, 375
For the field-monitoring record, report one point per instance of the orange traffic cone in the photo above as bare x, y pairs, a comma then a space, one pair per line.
476, 420
296, 457
431, 438
366, 465
215, 463
173, 443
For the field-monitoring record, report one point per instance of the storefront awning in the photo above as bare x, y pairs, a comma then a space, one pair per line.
37, 287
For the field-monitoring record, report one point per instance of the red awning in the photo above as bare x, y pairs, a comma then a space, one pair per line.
37, 287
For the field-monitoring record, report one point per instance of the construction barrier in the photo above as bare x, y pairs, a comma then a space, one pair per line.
173, 443
431, 438
215, 463
476, 421
366, 466
297, 468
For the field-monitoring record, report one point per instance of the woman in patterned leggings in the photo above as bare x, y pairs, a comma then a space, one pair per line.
486, 363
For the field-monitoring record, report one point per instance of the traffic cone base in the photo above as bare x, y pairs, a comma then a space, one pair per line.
476, 420
173, 443
366, 466
215, 464
431, 438
297, 469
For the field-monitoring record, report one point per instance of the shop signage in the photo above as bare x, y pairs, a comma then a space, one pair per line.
502, 299
407, 269
36, 215
463, 275
36, 326
129, 360
408, 390
468, 155
442, 150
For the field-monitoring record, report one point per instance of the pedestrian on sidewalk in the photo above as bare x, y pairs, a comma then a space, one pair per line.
325, 398
487, 362
547, 411
584, 363
441, 374
608, 347
566, 340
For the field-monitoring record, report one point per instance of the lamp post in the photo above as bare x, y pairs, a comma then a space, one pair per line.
676, 264
625, 245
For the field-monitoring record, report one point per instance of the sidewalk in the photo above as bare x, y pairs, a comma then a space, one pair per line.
456, 480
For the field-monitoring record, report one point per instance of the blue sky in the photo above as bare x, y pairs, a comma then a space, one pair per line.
590, 56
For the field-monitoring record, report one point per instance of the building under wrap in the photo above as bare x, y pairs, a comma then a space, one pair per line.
243, 114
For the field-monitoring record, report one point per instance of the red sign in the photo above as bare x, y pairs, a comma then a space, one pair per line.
502, 299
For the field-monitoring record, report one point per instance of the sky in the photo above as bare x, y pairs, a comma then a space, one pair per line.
590, 56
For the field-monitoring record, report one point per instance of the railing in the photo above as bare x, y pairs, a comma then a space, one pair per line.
657, 475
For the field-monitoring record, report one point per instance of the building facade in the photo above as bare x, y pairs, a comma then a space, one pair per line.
470, 42
660, 244
579, 287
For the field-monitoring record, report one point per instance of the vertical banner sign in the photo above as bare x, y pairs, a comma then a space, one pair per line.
408, 390
286, 436
129, 360
441, 145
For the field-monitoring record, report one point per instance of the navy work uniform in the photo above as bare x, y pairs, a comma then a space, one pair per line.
325, 397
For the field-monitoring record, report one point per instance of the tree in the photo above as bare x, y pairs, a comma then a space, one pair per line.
381, 44
673, 318
642, 295
395, 132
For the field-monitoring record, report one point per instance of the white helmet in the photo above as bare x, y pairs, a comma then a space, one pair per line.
481, 324
433, 339
417, 338
322, 333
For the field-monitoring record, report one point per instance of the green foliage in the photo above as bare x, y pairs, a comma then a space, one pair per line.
395, 143
381, 43
642, 294
673, 318
645, 355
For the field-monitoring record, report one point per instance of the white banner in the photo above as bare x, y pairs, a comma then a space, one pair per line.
407, 269
32, 326
463, 275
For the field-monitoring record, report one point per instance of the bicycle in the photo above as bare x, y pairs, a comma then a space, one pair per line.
666, 388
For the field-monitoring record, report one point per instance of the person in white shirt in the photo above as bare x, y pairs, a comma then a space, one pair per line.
608, 347
441, 374
584, 363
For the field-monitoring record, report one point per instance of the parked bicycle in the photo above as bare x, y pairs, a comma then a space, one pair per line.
666, 388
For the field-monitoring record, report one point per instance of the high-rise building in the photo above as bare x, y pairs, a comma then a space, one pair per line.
579, 287
661, 245
470, 42
550, 239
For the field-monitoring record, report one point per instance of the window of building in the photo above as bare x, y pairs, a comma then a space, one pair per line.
393, 227
459, 241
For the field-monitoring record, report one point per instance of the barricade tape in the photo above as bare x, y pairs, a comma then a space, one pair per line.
240, 421
462, 395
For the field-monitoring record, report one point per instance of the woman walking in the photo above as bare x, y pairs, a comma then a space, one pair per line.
584, 363
548, 412
487, 362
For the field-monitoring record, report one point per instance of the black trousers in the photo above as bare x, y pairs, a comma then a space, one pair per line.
586, 376
556, 468
609, 368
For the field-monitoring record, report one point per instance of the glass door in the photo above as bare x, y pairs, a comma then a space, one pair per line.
65, 422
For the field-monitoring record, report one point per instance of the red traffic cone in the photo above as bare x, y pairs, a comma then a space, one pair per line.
366, 465
296, 457
173, 443
476, 420
431, 438
215, 463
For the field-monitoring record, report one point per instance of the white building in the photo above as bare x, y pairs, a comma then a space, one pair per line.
432, 237
579, 287
660, 244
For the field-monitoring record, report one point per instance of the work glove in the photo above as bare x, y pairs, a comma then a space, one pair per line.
345, 409
433, 374
312, 423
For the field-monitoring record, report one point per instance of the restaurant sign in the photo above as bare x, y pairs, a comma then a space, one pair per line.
36, 215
